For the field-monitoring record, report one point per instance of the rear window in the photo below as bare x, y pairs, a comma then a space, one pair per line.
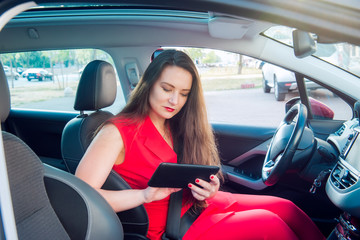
48, 80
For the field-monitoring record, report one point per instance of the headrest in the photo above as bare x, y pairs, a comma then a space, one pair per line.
4, 95
97, 87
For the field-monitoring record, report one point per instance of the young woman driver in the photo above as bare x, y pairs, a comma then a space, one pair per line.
165, 120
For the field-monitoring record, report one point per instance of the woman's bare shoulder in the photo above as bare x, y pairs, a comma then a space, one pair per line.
109, 133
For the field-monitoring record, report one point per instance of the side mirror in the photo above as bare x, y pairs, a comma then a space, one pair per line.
319, 110
304, 43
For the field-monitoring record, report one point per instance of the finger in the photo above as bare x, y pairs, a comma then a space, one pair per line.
198, 196
203, 192
202, 183
214, 180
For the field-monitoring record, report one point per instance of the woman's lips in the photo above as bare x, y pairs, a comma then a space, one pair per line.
169, 109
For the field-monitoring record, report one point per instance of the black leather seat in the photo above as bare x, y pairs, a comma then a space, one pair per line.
97, 90
49, 203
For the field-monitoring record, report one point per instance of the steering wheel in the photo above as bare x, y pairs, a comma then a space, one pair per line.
284, 144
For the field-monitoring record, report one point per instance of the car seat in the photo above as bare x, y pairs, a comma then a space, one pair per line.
49, 203
97, 90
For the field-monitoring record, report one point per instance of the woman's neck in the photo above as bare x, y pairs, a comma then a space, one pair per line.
159, 122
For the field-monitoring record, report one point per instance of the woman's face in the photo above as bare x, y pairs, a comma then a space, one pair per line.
170, 92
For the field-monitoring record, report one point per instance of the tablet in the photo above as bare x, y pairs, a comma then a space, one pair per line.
176, 175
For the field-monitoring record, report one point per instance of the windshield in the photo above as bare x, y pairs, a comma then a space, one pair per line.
343, 55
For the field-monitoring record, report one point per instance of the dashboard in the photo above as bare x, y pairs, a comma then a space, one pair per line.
343, 185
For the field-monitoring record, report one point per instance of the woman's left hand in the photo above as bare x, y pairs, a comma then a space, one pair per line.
206, 190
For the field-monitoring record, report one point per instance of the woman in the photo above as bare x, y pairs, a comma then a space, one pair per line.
165, 121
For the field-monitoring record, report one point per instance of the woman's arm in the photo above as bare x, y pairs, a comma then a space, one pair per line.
106, 149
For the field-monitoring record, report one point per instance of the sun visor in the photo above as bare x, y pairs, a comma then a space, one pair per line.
227, 27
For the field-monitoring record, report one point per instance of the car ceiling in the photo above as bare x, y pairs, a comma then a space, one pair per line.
126, 28
329, 18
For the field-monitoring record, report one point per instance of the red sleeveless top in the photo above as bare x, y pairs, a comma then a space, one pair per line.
145, 149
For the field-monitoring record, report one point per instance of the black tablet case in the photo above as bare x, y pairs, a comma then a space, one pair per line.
176, 175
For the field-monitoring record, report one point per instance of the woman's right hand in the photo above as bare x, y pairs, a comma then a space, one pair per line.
155, 194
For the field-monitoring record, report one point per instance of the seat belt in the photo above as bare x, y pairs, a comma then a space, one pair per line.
173, 217
176, 227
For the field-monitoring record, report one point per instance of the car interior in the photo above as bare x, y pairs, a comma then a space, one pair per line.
43, 147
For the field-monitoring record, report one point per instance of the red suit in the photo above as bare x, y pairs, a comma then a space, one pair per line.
228, 216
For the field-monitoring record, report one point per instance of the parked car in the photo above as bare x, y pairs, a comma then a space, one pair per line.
11, 74
282, 81
278, 78
315, 143
38, 74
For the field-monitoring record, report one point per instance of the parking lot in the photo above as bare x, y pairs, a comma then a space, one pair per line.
250, 106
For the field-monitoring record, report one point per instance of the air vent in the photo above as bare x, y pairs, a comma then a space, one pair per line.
340, 131
342, 178
343, 151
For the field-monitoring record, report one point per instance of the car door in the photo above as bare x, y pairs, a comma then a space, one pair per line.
41, 131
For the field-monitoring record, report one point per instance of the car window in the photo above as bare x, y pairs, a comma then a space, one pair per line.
48, 80
255, 92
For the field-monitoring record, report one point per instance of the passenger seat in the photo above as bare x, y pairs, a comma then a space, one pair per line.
97, 90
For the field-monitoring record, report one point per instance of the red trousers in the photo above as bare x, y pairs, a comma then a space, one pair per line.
240, 216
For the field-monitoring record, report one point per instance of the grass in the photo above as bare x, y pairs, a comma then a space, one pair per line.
37, 92
221, 71
218, 79
230, 83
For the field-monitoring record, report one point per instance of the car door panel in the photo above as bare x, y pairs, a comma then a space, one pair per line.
242, 151
41, 130
235, 140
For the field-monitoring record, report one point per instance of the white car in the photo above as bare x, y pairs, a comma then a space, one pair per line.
11, 74
282, 80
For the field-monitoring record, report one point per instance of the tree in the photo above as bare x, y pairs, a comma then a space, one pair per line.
196, 54
211, 57
240, 64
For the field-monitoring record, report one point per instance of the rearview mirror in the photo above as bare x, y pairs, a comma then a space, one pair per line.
304, 43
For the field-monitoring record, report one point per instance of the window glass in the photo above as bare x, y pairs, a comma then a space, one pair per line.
343, 55
243, 90
48, 80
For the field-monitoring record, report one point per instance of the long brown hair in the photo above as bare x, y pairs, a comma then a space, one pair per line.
193, 138
192, 134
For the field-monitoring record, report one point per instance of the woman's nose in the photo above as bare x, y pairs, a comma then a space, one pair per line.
174, 99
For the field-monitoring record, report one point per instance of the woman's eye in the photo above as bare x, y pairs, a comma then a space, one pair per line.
166, 90
184, 94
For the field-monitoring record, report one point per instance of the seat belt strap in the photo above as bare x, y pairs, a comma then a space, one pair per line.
187, 220
176, 227
173, 217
